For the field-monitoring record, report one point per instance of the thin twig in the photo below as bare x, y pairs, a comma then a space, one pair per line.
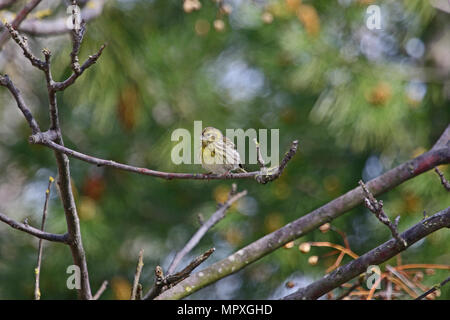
261, 178
376, 207
404, 279
37, 271
34, 231
73, 239
433, 289
100, 290
56, 26
6, 82
444, 181
163, 283
212, 221
351, 289
19, 18
137, 275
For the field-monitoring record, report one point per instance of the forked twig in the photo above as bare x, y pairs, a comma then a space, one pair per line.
376, 207
444, 181
163, 283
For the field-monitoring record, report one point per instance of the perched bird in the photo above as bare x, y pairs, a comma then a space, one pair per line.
218, 153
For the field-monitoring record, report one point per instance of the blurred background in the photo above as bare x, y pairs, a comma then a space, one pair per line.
359, 101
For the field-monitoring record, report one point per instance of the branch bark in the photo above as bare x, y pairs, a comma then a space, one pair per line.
304, 225
376, 256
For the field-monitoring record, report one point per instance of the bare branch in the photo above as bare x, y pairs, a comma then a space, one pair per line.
259, 156
435, 287
37, 271
59, 86
271, 174
350, 290
308, 223
23, 44
50, 27
137, 275
444, 181
6, 82
19, 18
100, 291
64, 182
163, 283
6, 3
33, 231
376, 256
376, 207
212, 221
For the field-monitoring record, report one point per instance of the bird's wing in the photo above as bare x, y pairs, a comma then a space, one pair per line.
231, 151
229, 143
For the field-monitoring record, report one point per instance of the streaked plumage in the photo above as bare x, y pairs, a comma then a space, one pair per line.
218, 153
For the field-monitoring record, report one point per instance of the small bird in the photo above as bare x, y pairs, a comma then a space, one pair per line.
218, 153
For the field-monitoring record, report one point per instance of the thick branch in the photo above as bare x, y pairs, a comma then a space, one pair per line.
309, 222
376, 256
34, 231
